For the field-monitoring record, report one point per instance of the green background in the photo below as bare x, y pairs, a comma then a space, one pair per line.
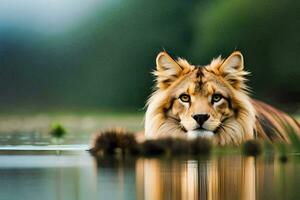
100, 56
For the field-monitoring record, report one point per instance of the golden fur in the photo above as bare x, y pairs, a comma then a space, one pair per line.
210, 101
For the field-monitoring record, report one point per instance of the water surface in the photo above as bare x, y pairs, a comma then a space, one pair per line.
63, 175
32, 168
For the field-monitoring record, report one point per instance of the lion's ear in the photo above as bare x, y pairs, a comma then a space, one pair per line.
167, 70
234, 63
232, 69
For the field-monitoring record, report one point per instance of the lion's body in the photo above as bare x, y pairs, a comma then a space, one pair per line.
273, 124
211, 101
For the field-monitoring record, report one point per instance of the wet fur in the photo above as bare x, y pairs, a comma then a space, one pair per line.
245, 118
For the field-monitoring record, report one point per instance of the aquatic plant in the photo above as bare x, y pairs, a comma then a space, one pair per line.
252, 148
153, 148
118, 140
177, 146
294, 146
127, 143
294, 138
201, 146
57, 132
112, 141
282, 149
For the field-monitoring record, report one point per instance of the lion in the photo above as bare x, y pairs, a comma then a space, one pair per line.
211, 101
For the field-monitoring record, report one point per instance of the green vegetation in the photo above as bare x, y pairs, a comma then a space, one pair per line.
58, 132
115, 141
106, 59
252, 148
112, 140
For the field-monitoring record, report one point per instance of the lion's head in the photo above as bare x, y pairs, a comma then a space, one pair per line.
210, 101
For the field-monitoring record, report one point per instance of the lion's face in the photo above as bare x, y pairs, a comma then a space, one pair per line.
201, 102
194, 101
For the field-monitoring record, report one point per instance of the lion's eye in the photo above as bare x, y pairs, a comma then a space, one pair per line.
184, 98
216, 97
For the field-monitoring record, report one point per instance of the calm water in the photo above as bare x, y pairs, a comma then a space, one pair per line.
38, 172
76, 175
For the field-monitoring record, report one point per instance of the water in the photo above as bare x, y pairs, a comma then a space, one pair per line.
32, 168
34, 129
75, 175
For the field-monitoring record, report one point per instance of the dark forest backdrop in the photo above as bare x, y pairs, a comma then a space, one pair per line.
103, 59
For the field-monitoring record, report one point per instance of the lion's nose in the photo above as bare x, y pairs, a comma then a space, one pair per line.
200, 118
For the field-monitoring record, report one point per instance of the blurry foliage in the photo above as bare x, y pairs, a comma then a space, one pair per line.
58, 131
106, 61
267, 33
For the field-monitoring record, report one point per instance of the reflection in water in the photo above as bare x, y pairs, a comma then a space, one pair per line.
226, 177
219, 178
47, 176
76, 176
116, 179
